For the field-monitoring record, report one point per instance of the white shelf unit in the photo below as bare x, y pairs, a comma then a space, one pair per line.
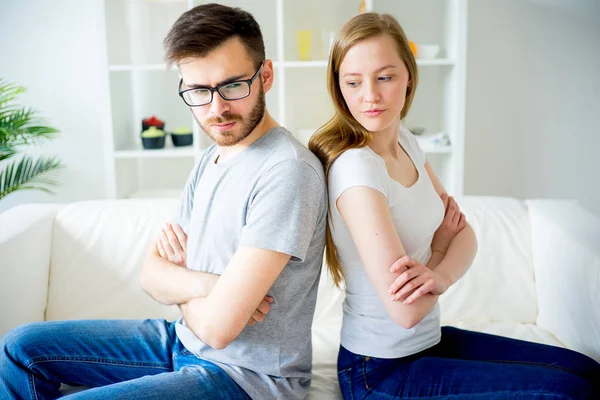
141, 85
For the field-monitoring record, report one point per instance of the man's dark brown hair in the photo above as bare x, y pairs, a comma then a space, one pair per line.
203, 28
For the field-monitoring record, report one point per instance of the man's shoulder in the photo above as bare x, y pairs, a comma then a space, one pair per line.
286, 152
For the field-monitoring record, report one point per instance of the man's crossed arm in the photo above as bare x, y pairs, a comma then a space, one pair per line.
215, 308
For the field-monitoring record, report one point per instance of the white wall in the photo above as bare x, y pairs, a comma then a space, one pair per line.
54, 48
533, 95
533, 99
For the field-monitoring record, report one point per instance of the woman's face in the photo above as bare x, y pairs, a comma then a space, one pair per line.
373, 80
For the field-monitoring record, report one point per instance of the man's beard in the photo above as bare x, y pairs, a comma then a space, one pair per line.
243, 127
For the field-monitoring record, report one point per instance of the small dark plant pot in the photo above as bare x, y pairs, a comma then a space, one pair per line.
154, 142
182, 140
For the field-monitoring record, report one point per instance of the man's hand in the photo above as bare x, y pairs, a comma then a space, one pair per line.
454, 221
415, 280
172, 244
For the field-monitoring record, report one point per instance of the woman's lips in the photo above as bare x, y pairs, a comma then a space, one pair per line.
374, 112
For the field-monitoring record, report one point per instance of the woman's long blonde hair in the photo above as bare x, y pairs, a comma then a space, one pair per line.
343, 132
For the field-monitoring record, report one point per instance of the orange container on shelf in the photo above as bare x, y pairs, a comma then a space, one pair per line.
363, 7
413, 47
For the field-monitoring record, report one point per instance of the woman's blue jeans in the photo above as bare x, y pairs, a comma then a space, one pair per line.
119, 359
472, 365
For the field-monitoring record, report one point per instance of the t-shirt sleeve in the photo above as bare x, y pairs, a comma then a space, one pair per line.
355, 167
285, 208
415, 149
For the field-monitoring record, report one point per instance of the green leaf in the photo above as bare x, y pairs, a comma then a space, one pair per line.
21, 126
28, 173
9, 91
6, 153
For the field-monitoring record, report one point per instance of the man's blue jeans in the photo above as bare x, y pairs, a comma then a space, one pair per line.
120, 359
471, 365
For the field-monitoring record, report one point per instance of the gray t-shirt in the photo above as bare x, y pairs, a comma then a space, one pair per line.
271, 196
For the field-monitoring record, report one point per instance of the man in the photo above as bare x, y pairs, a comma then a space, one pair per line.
246, 247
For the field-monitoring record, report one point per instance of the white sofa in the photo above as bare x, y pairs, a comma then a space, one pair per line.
536, 276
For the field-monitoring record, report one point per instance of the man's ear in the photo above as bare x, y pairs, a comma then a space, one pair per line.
267, 75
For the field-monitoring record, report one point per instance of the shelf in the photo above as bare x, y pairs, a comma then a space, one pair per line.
323, 63
300, 64
140, 67
432, 148
141, 84
168, 151
435, 61
276, 64
167, 193
437, 149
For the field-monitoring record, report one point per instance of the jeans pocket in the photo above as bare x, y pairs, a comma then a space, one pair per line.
345, 381
375, 370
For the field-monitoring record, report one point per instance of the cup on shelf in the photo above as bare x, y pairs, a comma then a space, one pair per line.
304, 41
427, 51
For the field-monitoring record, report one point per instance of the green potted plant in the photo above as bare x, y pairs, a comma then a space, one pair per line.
153, 138
182, 136
20, 126
153, 133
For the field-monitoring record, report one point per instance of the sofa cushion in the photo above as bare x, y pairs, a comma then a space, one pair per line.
566, 253
97, 252
500, 285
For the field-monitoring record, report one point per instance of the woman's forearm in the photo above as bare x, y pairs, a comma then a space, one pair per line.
459, 257
435, 260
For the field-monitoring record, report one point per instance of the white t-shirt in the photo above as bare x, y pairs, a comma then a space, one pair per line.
417, 212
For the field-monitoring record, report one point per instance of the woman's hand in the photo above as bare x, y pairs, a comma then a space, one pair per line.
172, 244
454, 221
415, 280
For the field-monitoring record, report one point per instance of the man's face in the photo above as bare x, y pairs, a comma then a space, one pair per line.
227, 122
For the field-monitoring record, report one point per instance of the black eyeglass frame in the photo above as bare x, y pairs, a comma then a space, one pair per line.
217, 88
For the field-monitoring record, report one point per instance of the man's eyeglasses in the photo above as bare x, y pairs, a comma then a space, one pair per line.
228, 91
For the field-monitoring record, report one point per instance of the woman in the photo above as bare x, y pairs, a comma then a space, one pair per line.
386, 204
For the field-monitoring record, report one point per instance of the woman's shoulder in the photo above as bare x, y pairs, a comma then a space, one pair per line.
356, 167
357, 157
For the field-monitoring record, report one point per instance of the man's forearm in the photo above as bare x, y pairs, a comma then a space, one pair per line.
459, 256
197, 318
169, 283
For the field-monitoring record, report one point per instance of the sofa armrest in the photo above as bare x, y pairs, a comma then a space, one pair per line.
566, 256
25, 248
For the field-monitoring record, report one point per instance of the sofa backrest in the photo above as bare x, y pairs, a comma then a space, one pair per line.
500, 284
98, 248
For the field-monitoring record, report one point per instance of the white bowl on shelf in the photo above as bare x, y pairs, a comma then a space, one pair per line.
427, 51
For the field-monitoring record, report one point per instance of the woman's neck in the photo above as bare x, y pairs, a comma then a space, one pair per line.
385, 142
